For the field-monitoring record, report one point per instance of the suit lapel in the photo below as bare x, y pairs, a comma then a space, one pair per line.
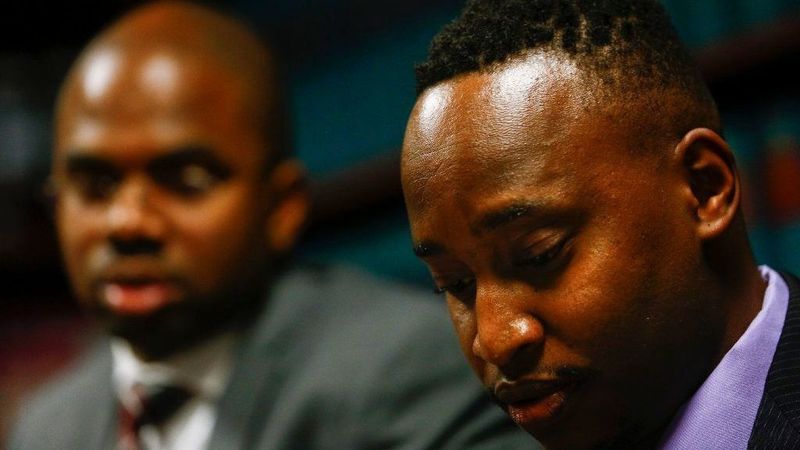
778, 418
105, 418
237, 409
259, 368
94, 414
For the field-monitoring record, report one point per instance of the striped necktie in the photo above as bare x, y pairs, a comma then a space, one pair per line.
155, 405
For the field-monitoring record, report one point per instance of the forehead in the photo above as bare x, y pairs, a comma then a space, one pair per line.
504, 105
531, 125
157, 95
493, 122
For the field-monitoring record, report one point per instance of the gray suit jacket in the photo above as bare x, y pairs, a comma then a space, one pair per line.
336, 361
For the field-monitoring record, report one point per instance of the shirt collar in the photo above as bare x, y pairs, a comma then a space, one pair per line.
204, 368
722, 412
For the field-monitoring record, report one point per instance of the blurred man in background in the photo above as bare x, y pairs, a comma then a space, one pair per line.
177, 205
568, 187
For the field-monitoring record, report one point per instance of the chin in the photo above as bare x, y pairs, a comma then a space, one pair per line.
596, 429
158, 334
576, 437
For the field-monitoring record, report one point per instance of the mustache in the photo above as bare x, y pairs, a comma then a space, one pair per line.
543, 375
108, 265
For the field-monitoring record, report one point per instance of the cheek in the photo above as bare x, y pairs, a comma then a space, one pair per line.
79, 231
621, 292
220, 235
464, 322
606, 290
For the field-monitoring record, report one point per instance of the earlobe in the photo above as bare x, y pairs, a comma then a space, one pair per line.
712, 179
290, 200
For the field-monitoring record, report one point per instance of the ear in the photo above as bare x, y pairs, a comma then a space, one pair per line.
714, 188
290, 205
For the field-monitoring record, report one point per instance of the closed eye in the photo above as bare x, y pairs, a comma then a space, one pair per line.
545, 257
455, 288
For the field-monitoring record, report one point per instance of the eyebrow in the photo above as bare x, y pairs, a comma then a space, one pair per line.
488, 221
188, 154
78, 160
81, 162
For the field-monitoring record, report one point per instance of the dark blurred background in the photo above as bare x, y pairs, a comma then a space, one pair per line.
349, 66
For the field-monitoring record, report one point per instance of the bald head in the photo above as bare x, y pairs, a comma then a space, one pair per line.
181, 55
173, 200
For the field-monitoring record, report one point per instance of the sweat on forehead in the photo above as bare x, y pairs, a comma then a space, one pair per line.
508, 112
491, 114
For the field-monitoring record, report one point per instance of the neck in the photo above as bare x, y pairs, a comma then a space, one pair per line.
746, 298
737, 282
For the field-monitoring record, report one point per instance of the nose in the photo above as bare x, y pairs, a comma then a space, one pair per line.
131, 216
505, 326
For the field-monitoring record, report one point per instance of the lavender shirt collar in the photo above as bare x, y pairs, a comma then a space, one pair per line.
721, 413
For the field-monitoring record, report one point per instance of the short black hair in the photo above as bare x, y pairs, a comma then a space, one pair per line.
599, 32
624, 43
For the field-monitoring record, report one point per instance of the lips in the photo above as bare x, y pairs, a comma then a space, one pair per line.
136, 293
534, 402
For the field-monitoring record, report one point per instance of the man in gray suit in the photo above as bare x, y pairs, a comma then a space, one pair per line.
176, 206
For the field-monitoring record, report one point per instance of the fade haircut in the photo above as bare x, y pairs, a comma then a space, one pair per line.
623, 44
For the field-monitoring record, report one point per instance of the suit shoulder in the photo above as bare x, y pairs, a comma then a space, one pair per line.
345, 295
55, 412
342, 318
346, 287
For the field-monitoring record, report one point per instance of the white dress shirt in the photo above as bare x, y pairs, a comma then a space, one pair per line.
203, 369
